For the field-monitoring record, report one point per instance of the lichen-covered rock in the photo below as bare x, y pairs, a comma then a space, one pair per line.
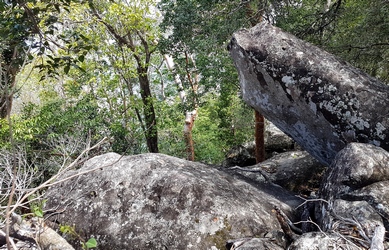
154, 201
276, 141
322, 241
356, 166
265, 243
354, 192
321, 102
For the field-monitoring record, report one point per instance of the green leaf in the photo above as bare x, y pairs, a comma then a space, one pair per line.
66, 68
38, 213
81, 58
56, 6
91, 243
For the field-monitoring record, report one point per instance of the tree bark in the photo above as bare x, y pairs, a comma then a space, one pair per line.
190, 115
190, 118
151, 132
320, 101
259, 137
8, 70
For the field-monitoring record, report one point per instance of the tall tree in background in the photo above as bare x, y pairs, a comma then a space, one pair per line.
191, 76
28, 30
354, 30
133, 26
205, 34
15, 29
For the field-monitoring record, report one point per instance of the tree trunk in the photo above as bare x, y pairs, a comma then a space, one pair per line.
188, 127
151, 132
259, 137
8, 70
141, 53
6, 97
190, 116
320, 101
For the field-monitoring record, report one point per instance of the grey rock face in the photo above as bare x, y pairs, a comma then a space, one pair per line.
296, 171
321, 241
321, 102
256, 243
355, 189
276, 141
155, 201
356, 166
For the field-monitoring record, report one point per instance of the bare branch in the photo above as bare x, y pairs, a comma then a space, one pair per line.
50, 181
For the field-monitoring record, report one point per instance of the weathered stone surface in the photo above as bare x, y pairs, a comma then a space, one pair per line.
322, 241
354, 191
356, 166
295, 171
155, 201
276, 141
321, 102
257, 243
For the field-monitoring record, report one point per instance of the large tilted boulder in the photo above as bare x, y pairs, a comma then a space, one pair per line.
154, 201
320, 101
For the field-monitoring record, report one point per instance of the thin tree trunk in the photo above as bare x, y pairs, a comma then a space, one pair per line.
259, 137
142, 58
190, 116
188, 127
8, 71
6, 97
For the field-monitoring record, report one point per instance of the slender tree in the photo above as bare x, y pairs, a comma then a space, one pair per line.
133, 26
191, 112
15, 28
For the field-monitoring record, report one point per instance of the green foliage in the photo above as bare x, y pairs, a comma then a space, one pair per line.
36, 206
91, 243
220, 127
55, 131
71, 231
66, 229
170, 126
205, 33
362, 36
206, 135
357, 31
